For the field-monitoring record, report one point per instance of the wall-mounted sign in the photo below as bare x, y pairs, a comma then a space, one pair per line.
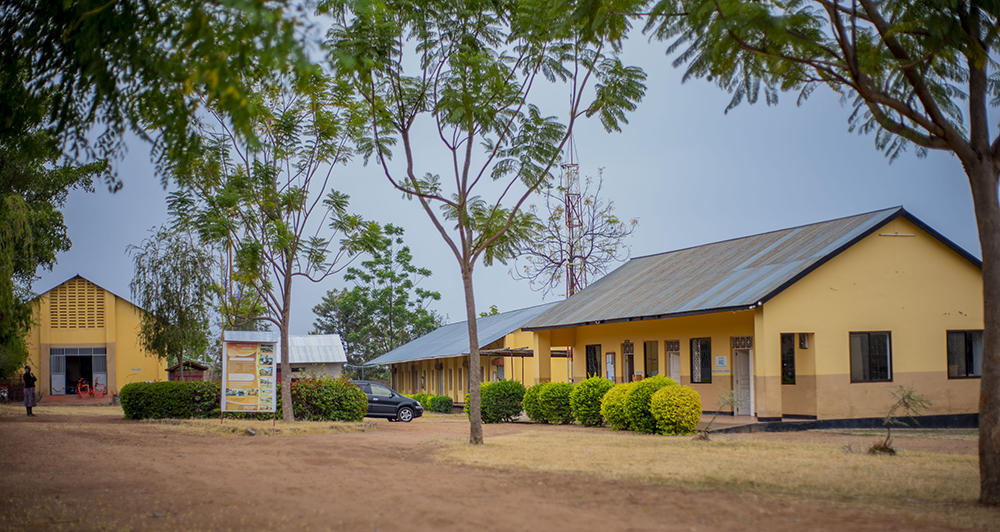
721, 364
249, 372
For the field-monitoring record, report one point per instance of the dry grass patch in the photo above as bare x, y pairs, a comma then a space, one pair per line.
736, 462
74, 417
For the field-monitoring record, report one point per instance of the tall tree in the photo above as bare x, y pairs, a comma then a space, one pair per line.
90, 71
920, 74
271, 205
173, 284
33, 189
467, 70
596, 242
386, 308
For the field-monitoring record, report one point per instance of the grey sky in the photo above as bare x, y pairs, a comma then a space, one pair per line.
689, 172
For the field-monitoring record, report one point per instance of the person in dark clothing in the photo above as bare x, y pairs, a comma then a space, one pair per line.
29, 390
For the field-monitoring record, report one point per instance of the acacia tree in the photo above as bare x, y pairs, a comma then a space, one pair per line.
173, 284
386, 308
598, 242
467, 70
919, 74
271, 204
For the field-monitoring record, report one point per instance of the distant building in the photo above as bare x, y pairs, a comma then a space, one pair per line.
814, 322
319, 355
83, 331
438, 362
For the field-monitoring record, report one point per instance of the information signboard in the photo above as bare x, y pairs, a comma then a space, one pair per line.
249, 376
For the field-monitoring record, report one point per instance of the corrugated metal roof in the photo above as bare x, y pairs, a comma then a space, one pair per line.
316, 349
453, 339
729, 275
308, 349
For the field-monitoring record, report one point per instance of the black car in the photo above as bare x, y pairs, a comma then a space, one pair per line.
383, 401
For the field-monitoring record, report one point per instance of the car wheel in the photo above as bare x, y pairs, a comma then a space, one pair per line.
405, 414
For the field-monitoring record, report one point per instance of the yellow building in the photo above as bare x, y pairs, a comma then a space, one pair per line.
83, 331
813, 322
438, 362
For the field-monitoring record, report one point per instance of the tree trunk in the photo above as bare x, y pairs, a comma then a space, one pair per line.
182, 364
475, 413
983, 178
287, 409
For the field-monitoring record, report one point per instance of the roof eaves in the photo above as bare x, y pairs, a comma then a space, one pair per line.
698, 312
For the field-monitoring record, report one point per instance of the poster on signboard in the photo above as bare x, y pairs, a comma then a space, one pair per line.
248, 376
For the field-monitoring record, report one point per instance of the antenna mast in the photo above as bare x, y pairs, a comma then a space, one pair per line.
576, 274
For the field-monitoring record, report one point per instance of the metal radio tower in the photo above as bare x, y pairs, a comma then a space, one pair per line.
576, 273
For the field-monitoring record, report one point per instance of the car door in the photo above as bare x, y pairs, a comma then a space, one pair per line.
382, 400
365, 387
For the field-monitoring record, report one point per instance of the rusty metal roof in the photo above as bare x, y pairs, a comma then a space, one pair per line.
730, 275
453, 339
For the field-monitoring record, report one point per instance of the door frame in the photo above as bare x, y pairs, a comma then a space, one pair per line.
749, 354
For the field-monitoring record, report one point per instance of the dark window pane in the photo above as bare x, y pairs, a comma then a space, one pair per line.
787, 359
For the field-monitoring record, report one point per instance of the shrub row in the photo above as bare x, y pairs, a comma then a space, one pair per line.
434, 403
314, 399
549, 402
501, 401
654, 405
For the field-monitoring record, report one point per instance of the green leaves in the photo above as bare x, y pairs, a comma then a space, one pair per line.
386, 308
88, 71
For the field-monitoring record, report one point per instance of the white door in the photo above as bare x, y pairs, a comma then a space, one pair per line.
741, 382
675, 366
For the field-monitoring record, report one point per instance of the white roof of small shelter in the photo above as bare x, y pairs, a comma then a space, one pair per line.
307, 349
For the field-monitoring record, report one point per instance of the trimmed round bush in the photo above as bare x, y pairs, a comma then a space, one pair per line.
585, 400
499, 401
441, 404
502, 401
530, 402
640, 419
613, 406
553, 401
677, 409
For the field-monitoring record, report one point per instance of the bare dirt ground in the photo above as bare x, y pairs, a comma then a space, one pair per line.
101, 472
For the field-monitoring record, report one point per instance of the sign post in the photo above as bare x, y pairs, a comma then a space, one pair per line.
249, 371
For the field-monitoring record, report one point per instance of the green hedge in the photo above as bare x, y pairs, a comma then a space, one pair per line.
499, 401
171, 399
553, 401
441, 404
613, 406
530, 403
585, 400
640, 418
314, 399
327, 400
677, 409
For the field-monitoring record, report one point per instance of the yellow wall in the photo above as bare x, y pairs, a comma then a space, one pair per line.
116, 329
719, 327
915, 287
516, 368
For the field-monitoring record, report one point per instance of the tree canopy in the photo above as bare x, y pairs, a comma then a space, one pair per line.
386, 308
467, 71
90, 71
33, 189
271, 205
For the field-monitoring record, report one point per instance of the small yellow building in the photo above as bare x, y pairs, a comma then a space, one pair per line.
83, 331
437, 362
813, 322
